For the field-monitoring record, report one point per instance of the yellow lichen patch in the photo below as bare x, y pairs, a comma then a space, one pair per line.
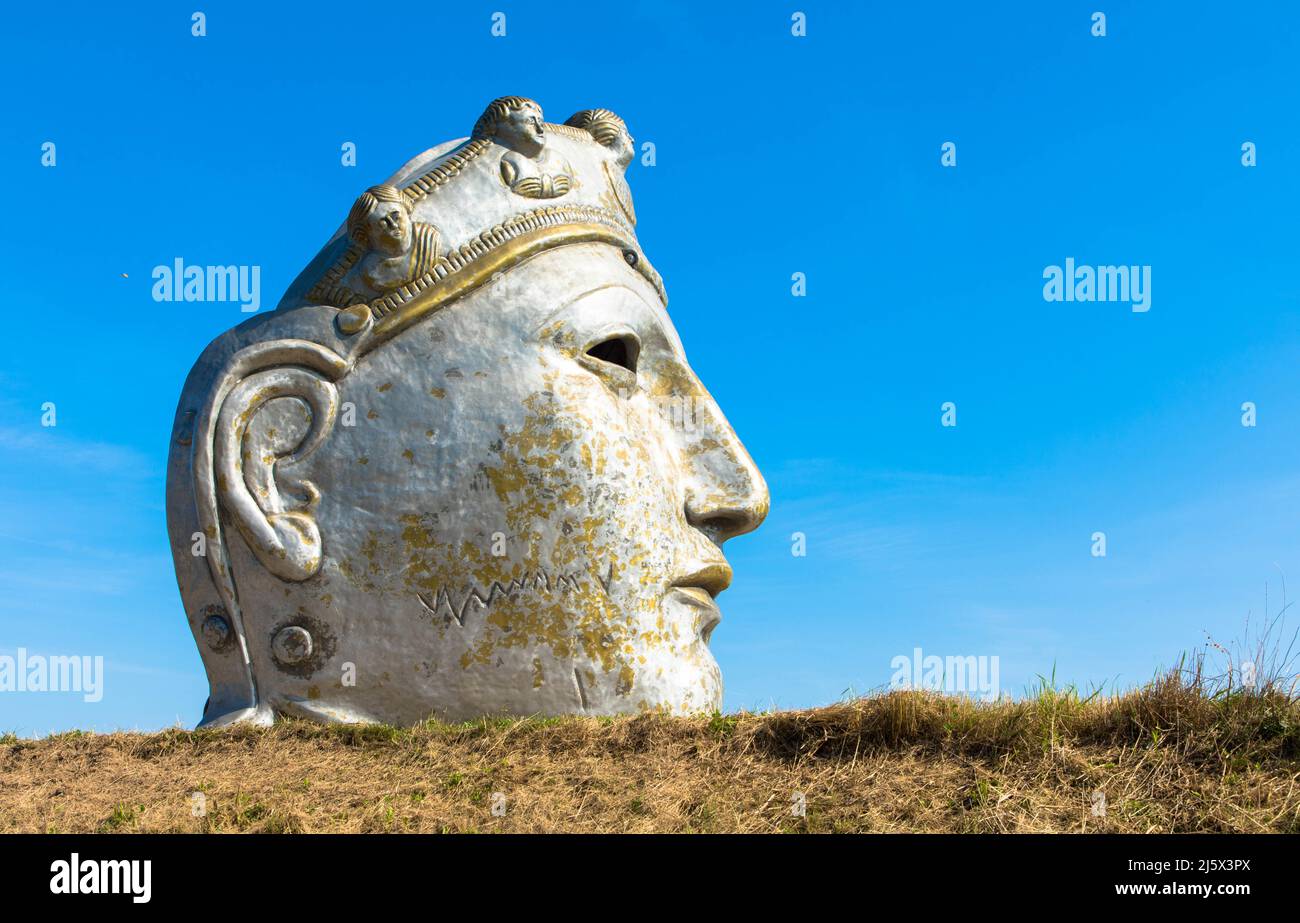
553, 468
585, 488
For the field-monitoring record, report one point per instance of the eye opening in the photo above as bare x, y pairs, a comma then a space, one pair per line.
621, 350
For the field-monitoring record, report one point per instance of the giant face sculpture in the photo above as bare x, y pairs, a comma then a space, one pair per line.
497, 489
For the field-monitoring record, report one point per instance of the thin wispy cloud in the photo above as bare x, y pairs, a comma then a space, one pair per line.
48, 447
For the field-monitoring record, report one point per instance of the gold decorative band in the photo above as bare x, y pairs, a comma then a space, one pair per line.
494, 237
533, 238
329, 289
578, 134
449, 167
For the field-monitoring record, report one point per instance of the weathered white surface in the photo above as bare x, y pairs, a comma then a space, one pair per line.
443, 505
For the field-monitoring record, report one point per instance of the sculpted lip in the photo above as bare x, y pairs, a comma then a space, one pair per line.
713, 578
699, 588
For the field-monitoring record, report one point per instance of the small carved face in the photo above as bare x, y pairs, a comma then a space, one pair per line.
523, 128
623, 149
388, 227
526, 515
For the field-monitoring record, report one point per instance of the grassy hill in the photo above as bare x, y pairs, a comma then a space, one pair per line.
1172, 756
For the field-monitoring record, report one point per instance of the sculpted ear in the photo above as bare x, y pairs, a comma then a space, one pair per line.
268, 421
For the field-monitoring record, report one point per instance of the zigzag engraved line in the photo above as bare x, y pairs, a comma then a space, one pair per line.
443, 603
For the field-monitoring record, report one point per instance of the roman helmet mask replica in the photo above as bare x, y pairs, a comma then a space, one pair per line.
464, 468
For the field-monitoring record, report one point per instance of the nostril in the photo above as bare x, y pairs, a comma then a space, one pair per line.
720, 525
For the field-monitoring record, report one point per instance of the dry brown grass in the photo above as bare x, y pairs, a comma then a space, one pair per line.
1171, 757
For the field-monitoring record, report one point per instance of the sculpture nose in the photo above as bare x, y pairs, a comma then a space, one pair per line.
726, 495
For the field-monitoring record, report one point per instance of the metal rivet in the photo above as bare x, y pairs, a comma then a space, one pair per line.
216, 632
185, 431
292, 644
354, 319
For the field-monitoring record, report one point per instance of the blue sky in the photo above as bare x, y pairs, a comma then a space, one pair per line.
775, 155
